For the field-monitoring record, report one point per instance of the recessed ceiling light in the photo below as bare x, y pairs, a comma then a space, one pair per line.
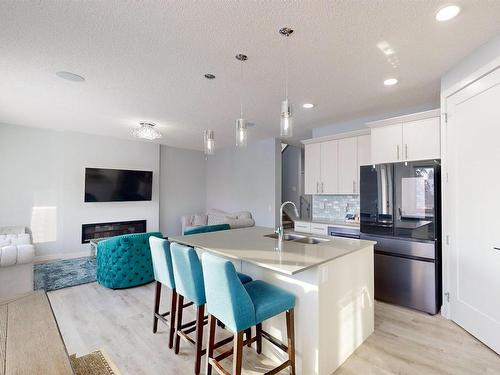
447, 12
70, 76
308, 105
390, 81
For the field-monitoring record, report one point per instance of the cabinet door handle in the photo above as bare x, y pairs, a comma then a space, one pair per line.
353, 186
322, 187
497, 248
397, 150
317, 187
406, 151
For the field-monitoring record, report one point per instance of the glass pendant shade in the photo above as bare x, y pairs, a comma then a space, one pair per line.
241, 133
209, 142
286, 123
146, 131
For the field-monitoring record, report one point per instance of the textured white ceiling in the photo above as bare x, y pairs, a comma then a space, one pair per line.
145, 60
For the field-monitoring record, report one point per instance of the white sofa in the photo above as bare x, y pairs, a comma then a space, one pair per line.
16, 262
214, 216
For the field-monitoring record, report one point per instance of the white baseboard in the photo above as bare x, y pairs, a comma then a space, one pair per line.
60, 256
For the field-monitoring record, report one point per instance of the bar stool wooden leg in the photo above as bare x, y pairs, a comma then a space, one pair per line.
258, 333
248, 334
173, 310
290, 328
237, 353
199, 338
180, 303
157, 306
210, 342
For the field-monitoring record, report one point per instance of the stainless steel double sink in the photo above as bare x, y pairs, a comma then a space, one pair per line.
299, 238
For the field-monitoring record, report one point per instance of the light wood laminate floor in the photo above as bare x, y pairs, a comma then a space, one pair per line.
92, 317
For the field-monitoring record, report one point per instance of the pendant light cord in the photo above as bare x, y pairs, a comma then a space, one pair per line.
286, 67
241, 90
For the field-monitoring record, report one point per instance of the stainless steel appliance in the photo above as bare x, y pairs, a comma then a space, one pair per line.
344, 231
400, 209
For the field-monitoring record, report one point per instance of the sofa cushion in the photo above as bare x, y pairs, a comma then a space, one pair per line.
8, 256
25, 254
12, 255
13, 230
220, 219
200, 219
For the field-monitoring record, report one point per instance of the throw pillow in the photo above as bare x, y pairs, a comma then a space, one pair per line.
200, 220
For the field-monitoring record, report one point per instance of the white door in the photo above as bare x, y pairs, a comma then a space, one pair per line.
312, 168
386, 144
421, 139
329, 167
473, 206
348, 165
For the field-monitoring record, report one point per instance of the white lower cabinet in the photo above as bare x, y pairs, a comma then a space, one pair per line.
311, 228
303, 226
321, 229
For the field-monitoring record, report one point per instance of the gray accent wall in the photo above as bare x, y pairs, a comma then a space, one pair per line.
182, 186
247, 179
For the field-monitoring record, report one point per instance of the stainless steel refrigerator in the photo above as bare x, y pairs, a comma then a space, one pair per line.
400, 206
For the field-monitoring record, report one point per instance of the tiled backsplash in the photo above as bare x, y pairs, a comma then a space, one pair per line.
334, 207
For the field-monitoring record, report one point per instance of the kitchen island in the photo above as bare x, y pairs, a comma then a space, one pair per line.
331, 277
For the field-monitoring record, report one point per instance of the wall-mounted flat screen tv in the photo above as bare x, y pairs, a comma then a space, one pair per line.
117, 185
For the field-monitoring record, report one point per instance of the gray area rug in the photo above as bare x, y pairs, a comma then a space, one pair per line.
64, 273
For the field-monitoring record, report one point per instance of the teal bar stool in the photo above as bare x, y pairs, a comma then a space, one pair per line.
188, 275
164, 275
241, 306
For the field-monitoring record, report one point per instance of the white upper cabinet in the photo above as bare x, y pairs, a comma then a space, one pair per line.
312, 166
387, 143
406, 138
347, 165
329, 183
421, 139
364, 150
332, 163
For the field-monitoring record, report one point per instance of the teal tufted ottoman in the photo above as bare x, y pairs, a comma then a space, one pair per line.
125, 261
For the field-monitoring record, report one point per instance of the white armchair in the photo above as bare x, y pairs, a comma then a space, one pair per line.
16, 262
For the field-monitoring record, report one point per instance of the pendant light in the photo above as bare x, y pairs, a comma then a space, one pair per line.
208, 134
241, 125
286, 123
209, 141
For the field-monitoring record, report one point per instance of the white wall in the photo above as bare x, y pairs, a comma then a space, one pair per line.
182, 186
247, 179
360, 122
480, 58
42, 185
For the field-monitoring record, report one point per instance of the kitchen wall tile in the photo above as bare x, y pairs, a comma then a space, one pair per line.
334, 207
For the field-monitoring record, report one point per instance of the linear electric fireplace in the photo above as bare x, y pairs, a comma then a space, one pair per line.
103, 230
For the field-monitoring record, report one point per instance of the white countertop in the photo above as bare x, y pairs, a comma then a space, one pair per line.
250, 245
